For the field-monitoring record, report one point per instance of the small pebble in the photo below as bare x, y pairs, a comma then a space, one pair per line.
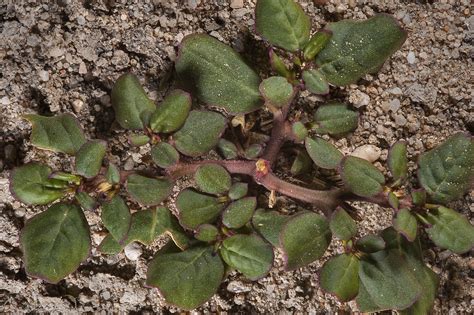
129, 164
77, 105
359, 99
367, 152
400, 120
411, 57
237, 4
394, 105
19, 213
237, 287
43, 75
133, 251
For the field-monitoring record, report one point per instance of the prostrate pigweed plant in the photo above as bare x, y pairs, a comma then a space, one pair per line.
219, 225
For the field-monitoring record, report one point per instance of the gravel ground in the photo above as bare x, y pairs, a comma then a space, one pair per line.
63, 56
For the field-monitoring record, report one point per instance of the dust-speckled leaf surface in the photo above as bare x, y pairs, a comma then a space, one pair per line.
239, 212
269, 224
227, 149
89, 158
398, 161
301, 164
317, 42
447, 172
304, 239
450, 230
164, 155
405, 223
187, 278
196, 209
206, 233
212, 179
116, 218
283, 23
238, 190
138, 140
370, 243
276, 91
110, 246
148, 191
299, 131
217, 74
200, 132
55, 242
131, 104
60, 133
418, 197
342, 225
359, 47
112, 174
168, 223
172, 112
323, 153
335, 119
30, 183
86, 201
315, 82
249, 254
361, 177
340, 276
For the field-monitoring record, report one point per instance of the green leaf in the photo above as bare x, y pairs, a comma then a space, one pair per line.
283, 23
418, 197
253, 151
110, 246
66, 177
277, 91
148, 191
304, 239
206, 233
370, 243
323, 153
89, 158
138, 140
269, 224
339, 276
227, 149
168, 223
315, 82
196, 209
60, 133
164, 155
217, 74
239, 212
238, 190
361, 177
187, 278
342, 225
279, 66
429, 281
131, 104
112, 175
398, 161
249, 254
405, 223
393, 200
335, 119
30, 183
386, 282
200, 132
85, 201
116, 218
450, 230
299, 131
144, 227
446, 172
359, 47
212, 179
302, 163
55, 242
171, 113
317, 42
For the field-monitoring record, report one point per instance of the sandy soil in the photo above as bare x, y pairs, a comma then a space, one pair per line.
63, 56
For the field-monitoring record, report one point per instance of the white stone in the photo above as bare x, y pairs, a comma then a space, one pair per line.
43, 75
133, 251
394, 105
367, 152
77, 105
411, 57
236, 4
82, 68
359, 99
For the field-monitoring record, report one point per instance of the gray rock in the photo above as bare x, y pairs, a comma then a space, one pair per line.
236, 4
400, 120
411, 58
359, 99
77, 105
133, 251
237, 287
394, 105
43, 75
367, 152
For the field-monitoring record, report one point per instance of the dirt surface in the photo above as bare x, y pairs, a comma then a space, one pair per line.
63, 56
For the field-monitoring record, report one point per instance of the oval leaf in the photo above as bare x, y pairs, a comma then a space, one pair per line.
304, 239
342, 225
196, 209
206, 233
239, 212
200, 132
323, 153
450, 230
405, 223
276, 91
269, 224
283, 23
447, 172
148, 191
238, 190
212, 179
217, 74
340, 276
112, 175
116, 218
172, 112
85, 201
370, 243
359, 47
187, 278
335, 119
227, 149
315, 82
31, 184
398, 161
317, 42
302, 163
131, 104
164, 155
55, 242
89, 158
60, 133
249, 254
361, 177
